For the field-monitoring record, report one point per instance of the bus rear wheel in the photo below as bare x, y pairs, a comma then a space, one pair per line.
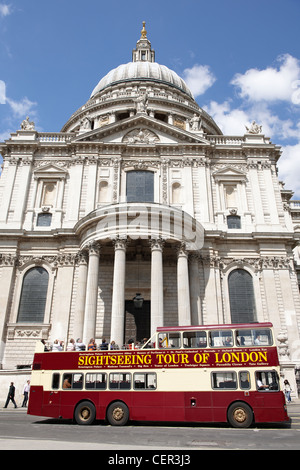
117, 414
240, 415
85, 413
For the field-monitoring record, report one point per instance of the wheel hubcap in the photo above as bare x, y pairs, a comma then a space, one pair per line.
118, 414
85, 413
240, 415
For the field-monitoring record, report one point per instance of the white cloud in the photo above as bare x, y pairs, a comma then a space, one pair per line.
2, 92
21, 108
230, 121
288, 168
5, 9
271, 84
198, 78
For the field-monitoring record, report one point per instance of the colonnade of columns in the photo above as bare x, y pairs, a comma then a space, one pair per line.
87, 286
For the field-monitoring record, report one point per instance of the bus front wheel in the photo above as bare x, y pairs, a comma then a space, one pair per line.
240, 415
117, 414
85, 413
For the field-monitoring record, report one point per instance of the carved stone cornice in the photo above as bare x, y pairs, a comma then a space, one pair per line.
8, 260
257, 264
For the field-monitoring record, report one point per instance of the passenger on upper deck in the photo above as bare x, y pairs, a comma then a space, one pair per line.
79, 345
92, 346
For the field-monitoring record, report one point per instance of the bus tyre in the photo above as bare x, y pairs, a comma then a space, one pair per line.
85, 413
240, 415
117, 414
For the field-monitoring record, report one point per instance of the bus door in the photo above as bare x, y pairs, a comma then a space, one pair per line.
51, 399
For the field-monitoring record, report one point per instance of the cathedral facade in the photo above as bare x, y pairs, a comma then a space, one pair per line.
141, 213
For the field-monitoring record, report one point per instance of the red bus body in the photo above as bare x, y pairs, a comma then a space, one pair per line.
171, 405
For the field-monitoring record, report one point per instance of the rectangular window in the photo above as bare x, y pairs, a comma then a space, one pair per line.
55, 381
169, 340
140, 186
120, 381
224, 380
194, 339
72, 381
254, 337
233, 221
267, 381
144, 381
220, 338
95, 381
244, 377
44, 219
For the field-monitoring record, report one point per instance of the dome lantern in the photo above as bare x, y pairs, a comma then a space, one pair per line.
143, 51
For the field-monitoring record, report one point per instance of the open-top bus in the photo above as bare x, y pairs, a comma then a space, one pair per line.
216, 373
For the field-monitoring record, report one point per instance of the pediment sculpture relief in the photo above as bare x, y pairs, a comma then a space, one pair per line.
141, 136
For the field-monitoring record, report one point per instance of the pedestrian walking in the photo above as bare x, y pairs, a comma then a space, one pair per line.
11, 395
26, 393
287, 391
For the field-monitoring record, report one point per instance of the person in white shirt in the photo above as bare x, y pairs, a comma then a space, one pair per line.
26, 393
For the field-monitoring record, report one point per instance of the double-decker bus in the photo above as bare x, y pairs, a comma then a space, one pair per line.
216, 373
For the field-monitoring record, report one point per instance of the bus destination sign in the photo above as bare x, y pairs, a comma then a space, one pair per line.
154, 359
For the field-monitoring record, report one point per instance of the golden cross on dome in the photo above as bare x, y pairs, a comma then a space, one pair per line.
144, 32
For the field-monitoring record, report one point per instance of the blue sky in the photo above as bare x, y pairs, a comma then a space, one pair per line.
241, 59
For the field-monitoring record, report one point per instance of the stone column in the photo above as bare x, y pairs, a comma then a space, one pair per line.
157, 288
7, 271
183, 289
82, 259
91, 293
118, 296
196, 314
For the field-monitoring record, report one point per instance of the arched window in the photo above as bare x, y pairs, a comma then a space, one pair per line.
241, 296
33, 296
140, 186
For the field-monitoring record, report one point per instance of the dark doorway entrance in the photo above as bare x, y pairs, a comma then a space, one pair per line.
137, 321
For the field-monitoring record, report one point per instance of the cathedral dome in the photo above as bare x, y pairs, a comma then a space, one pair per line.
116, 95
139, 71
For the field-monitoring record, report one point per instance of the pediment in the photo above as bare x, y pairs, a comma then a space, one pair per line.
229, 173
141, 130
50, 170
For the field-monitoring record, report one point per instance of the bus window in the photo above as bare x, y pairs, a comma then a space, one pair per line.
72, 381
254, 337
55, 381
244, 377
120, 381
169, 340
220, 338
144, 381
267, 381
224, 380
194, 339
95, 381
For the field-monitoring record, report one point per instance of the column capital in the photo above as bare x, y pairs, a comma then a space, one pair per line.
182, 250
193, 257
120, 243
156, 243
93, 248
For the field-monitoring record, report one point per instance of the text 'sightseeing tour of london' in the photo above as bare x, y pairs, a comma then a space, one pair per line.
141, 198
